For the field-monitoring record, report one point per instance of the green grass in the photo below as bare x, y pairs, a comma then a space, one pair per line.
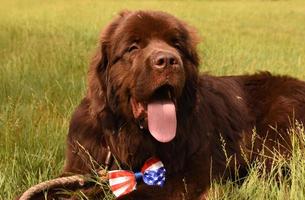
262, 184
45, 48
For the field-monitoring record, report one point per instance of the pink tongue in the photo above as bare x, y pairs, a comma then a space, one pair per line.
162, 122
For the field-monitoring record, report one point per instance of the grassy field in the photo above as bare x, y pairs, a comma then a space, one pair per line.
45, 48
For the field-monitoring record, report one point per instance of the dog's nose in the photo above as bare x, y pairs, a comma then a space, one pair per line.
165, 59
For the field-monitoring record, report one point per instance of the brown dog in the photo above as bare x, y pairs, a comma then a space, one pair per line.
146, 98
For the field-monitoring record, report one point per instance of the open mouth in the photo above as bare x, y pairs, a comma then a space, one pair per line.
159, 112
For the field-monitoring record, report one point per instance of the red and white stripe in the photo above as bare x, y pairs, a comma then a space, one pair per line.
152, 164
121, 182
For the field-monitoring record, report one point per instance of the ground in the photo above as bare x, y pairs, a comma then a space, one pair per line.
45, 48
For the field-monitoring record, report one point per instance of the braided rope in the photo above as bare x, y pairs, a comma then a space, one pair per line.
58, 182
81, 180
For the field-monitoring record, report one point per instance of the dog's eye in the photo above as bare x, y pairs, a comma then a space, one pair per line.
176, 44
132, 48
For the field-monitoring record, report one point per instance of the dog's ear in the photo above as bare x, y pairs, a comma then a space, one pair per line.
124, 13
97, 79
97, 75
191, 71
193, 39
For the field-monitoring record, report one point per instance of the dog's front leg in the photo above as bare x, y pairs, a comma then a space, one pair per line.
172, 189
176, 188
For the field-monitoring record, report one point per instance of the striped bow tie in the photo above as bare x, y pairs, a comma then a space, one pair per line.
123, 182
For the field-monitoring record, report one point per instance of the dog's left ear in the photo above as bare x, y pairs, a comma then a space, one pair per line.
193, 39
192, 72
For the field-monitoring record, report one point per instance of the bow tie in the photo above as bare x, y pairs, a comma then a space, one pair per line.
123, 182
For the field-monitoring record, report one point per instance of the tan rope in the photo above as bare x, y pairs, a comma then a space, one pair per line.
62, 181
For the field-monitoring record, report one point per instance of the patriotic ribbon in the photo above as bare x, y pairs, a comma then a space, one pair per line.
123, 182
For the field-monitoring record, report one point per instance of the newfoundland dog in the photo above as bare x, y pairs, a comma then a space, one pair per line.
146, 98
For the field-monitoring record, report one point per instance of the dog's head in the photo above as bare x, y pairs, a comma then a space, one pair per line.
146, 71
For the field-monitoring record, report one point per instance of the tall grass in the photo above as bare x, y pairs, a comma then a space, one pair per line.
284, 181
45, 47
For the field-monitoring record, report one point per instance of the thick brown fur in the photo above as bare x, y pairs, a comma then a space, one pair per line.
211, 110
